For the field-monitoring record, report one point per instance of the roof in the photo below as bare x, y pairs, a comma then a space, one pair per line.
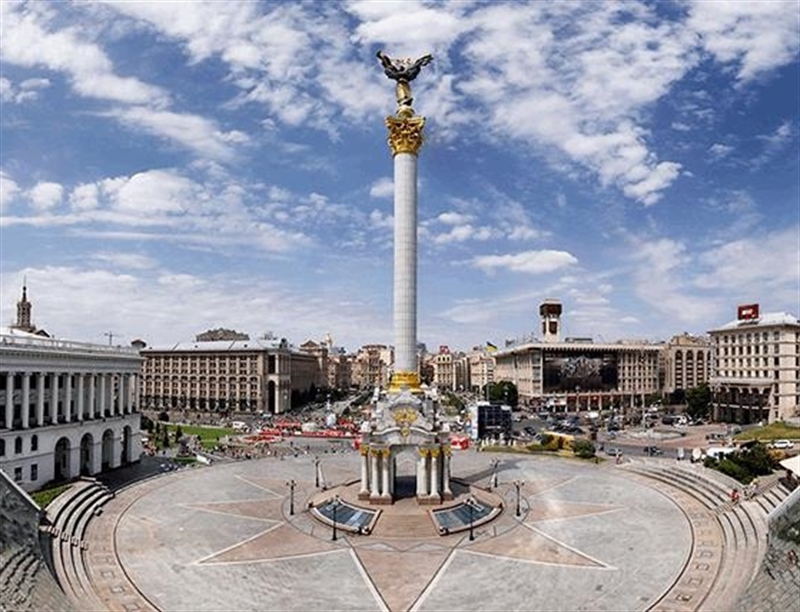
768, 319
222, 346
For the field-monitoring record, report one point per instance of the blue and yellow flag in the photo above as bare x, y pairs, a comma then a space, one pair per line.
490, 347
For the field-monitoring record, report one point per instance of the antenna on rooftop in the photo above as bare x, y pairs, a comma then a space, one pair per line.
111, 336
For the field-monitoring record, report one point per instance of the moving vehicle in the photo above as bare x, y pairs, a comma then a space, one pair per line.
782, 444
652, 451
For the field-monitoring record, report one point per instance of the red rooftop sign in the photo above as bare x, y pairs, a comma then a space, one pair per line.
747, 312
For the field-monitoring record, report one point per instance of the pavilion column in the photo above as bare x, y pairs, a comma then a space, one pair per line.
385, 458
9, 417
40, 399
422, 485
26, 399
448, 493
375, 485
435, 472
81, 399
392, 470
54, 398
68, 397
364, 490
108, 400
92, 399
133, 393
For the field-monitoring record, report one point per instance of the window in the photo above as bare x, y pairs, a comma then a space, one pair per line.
34, 442
17, 445
2, 448
34, 472
17, 474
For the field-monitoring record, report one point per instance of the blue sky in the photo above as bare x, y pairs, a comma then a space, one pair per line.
170, 167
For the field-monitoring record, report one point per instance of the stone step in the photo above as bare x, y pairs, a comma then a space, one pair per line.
404, 526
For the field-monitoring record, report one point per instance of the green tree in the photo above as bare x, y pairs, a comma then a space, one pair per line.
698, 401
504, 392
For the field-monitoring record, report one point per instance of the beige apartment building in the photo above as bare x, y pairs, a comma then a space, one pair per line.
371, 366
687, 363
264, 375
755, 372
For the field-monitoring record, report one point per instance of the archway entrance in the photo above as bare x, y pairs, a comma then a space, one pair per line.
87, 454
125, 458
108, 449
405, 471
61, 458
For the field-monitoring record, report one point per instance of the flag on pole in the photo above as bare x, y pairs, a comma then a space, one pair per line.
490, 347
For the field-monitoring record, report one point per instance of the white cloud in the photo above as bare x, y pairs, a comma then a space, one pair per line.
528, 262
196, 133
454, 218
84, 197
27, 91
133, 261
46, 196
8, 191
27, 40
718, 150
382, 188
755, 36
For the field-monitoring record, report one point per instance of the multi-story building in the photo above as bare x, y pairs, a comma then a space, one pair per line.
755, 372
263, 375
372, 366
444, 369
687, 363
579, 374
479, 369
66, 408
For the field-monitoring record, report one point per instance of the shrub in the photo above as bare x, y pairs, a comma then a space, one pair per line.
583, 449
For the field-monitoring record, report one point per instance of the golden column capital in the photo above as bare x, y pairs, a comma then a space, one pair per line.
405, 134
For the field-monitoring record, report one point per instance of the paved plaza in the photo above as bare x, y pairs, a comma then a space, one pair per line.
588, 538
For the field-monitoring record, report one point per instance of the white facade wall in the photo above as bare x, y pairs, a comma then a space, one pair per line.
66, 408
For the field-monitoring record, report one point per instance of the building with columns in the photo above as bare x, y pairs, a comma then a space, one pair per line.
66, 408
687, 363
755, 370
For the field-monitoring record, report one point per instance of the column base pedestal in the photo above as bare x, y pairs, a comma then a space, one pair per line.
381, 500
404, 381
363, 495
429, 500
447, 496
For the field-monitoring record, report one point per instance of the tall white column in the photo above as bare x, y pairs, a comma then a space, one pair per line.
68, 397
121, 390
9, 416
40, 399
26, 399
102, 398
448, 493
81, 399
405, 140
54, 398
92, 401
405, 262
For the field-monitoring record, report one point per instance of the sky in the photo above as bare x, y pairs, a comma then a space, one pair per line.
172, 167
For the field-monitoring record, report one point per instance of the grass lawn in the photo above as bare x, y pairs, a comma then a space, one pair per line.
208, 435
773, 431
45, 496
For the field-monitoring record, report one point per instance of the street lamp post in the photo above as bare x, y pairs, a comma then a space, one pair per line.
471, 522
335, 505
316, 472
493, 479
291, 484
518, 484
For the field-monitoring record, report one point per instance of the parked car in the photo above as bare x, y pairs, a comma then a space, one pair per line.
613, 451
782, 444
652, 451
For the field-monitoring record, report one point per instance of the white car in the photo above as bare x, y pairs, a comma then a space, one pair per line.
783, 444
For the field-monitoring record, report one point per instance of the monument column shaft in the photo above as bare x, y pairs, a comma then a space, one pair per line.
405, 262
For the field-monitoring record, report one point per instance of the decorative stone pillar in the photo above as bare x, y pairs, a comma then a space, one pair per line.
435, 475
103, 395
9, 416
385, 459
81, 399
422, 484
40, 399
26, 399
374, 490
54, 398
68, 397
447, 493
363, 492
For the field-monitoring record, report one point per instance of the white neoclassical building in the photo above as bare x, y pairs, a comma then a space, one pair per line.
66, 408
